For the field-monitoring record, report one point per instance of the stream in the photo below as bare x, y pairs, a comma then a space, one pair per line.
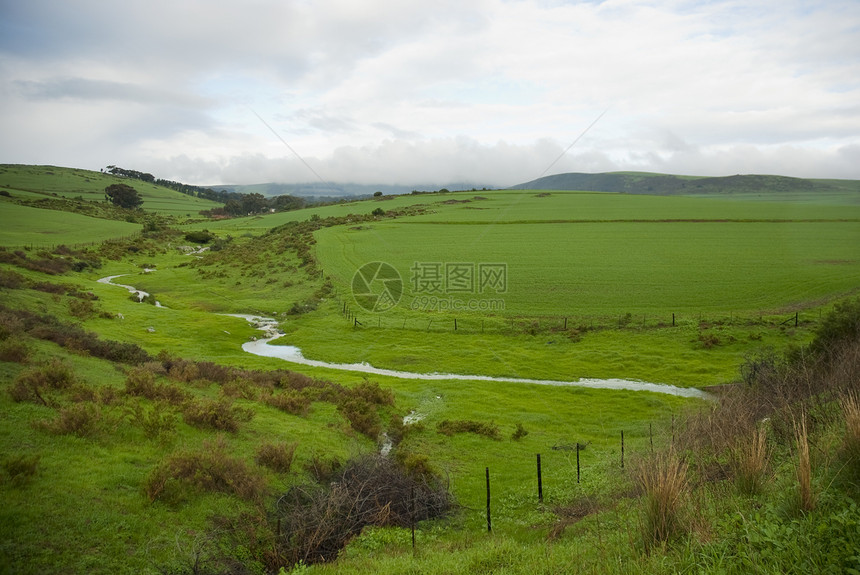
269, 326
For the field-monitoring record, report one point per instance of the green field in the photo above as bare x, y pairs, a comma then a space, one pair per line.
26, 226
41, 182
673, 290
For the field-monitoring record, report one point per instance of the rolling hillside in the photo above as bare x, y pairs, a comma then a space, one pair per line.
667, 184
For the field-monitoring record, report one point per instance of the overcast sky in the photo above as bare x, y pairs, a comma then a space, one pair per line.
491, 92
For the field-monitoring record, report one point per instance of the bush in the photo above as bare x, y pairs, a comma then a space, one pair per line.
317, 521
362, 416
218, 414
449, 428
209, 469
200, 236
276, 456
14, 350
80, 419
157, 423
141, 383
519, 432
21, 468
12, 280
33, 384
290, 401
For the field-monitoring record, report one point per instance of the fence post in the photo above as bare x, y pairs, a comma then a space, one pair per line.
622, 449
489, 522
651, 437
577, 462
540, 481
455, 324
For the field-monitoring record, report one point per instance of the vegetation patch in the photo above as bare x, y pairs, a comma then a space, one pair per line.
211, 468
483, 428
317, 521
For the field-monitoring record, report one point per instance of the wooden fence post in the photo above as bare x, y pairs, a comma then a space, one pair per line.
622, 449
489, 522
577, 462
540, 481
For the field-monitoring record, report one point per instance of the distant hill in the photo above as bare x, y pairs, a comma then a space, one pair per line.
337, 190
666, 184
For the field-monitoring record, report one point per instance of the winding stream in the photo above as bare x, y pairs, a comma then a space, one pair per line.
269, 326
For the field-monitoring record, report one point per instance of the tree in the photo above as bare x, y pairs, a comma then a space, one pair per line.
123, 195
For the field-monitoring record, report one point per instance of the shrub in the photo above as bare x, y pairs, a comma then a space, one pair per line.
12, 279
218, 414
663, 479
81, 309
21, 468
141, 383
317, 521
14, 350
80, 419
32, 384
290, 401
211, 469
276, 456
449, 428
185, 371
240, 387
157, 423
362, 416
519, 432
200, 236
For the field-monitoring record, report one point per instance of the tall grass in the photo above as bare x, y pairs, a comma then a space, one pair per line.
850, 403
806, 496
663, 479
749, 462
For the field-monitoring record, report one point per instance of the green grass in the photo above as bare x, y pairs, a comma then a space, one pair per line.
40, 182
27, 226
600, 269
85, 509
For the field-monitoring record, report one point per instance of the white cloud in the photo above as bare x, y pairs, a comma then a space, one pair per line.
387, 91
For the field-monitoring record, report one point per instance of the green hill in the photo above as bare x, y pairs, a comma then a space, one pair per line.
34, 183
667, 184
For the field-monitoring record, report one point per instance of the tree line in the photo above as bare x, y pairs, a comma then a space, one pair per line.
235, 203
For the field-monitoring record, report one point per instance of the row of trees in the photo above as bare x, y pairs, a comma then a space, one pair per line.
235, 203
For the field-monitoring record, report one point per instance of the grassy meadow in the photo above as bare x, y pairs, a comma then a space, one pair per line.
138, 438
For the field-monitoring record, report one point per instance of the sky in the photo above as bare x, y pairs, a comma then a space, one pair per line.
489, 92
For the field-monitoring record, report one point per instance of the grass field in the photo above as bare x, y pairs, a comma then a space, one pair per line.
27, 226
616, 266
38, 182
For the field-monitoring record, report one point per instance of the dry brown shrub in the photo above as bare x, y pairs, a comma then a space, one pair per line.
219, 414
290, 401
80, 419
276, 456
211, 468
14, 350
317, 521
